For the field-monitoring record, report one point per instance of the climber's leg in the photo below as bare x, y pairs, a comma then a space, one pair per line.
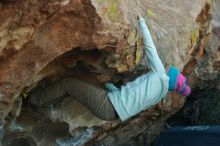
94, 98
48, 95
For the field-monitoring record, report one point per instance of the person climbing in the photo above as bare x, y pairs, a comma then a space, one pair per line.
126, 101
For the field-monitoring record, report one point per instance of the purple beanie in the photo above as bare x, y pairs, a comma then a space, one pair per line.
177, 82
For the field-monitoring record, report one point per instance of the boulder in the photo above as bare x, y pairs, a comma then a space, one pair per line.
42, 39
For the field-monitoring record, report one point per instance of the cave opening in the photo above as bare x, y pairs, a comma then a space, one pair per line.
87, 65
55, 123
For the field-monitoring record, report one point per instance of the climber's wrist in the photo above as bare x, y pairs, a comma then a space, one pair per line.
141, 23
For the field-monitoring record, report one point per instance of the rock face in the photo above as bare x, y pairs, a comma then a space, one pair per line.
208, 67
45, 39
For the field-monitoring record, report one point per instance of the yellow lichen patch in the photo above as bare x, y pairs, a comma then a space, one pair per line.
21, 36
150, 13
193, 36
137, 56
112, 11
132, 37
138, 51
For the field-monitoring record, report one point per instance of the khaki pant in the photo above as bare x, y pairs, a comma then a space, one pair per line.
94, 98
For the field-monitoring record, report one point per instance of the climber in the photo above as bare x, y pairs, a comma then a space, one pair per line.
138, 95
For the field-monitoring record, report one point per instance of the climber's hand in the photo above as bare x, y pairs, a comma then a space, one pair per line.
138, 15
110, 87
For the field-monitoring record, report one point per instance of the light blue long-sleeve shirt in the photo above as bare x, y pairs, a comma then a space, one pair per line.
144, 91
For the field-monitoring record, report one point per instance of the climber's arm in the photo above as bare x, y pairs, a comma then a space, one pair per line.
149, 48
150, 51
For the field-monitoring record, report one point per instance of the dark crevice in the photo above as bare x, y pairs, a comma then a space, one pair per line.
200, 108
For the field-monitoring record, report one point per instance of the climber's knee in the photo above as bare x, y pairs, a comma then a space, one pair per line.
108, 116
107, 112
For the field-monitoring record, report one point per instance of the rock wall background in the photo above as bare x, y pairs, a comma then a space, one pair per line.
208, 67
44, 40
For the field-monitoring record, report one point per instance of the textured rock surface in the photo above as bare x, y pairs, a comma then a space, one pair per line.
209, 66
41, 39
